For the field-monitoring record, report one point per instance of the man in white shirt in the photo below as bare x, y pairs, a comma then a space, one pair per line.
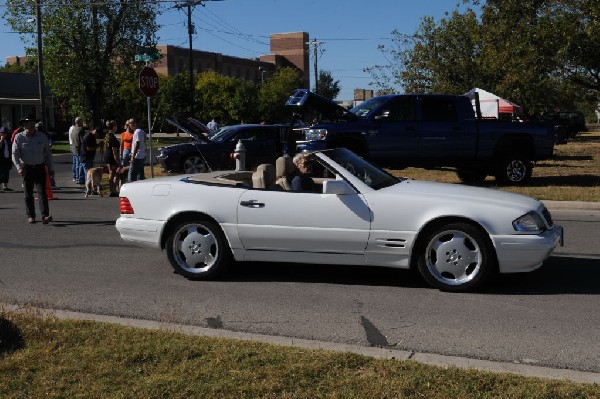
138, 152
213, 125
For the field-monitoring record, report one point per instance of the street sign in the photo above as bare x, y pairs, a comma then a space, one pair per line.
148, 82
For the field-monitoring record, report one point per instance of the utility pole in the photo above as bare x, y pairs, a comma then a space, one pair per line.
315, 44
38, 22
191, 30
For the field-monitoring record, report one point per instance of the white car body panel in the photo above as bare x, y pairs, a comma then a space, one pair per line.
369, 227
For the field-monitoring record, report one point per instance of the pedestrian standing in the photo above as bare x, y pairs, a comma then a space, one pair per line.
126, 139
213, 125
87, 151
32, 156
138, 152
111, 156
74, 144
5, 159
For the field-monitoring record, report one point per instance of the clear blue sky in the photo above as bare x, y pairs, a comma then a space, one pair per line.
350, 29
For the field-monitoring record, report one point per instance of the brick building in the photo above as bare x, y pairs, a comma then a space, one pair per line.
287, 50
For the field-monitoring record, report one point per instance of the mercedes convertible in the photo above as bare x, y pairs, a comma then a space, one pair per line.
456, 236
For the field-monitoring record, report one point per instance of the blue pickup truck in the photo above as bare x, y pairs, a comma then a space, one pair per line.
427, 130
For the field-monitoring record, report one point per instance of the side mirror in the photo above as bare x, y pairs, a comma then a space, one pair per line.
337, 187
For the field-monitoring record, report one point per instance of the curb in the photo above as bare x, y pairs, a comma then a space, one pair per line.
375, 352
572, 205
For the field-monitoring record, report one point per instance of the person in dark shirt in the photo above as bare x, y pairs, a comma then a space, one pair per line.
87, 151
301, 180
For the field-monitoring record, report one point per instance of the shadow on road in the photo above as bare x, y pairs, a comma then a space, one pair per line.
558, 275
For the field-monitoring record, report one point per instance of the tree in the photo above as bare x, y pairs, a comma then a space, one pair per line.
28, 67
327, 87
273, 94
86, 44
542, 54
245, 102
213, 97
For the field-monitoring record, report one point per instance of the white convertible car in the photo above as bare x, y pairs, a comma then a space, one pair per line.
456, 236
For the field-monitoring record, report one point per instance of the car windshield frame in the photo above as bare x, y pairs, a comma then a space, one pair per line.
366, 108
223, 134
371, 175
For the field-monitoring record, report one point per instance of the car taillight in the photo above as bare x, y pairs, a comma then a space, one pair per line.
125, 206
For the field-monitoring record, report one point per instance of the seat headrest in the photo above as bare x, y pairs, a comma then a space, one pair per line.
264, 177
284, 166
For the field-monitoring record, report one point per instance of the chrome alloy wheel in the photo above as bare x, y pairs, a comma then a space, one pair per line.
516, 170
194, 164
195, 248
453, 257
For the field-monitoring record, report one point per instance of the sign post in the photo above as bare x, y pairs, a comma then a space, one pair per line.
149, 86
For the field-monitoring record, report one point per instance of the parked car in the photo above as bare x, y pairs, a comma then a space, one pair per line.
456, 236
573, 121
212, 151
428, 130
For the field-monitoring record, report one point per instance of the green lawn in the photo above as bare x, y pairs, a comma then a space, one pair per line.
45, 357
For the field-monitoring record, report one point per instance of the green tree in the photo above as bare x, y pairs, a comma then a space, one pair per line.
214, 94
86, 45
327, 86
542, 54
274, 93
245, 102
29, 67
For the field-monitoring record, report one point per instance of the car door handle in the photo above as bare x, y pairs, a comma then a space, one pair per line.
252, 204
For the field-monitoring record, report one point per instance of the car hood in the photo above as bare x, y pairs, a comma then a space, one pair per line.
305, 99
464, 194
195, 129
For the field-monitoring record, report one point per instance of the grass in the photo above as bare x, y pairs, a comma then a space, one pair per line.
46, 357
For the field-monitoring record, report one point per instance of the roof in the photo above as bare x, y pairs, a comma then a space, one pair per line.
19, 86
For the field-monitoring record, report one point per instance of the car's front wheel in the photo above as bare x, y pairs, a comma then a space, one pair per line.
194, 164
197, 249
455, 257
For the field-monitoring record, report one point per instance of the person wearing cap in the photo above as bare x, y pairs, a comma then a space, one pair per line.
5, 159
31, 155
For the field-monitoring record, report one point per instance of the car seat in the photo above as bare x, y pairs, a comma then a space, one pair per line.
264, 177
284, 167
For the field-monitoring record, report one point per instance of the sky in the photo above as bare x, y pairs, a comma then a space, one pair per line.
350, 30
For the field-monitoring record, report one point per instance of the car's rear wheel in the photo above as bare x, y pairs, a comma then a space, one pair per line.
197, 249
194, 164
455, 257
516, 169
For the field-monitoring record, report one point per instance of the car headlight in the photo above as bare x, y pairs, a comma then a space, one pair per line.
531, 222
316, 134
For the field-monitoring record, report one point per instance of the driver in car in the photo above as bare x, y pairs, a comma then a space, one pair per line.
301, 180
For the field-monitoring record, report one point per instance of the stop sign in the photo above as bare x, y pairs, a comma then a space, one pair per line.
148, 82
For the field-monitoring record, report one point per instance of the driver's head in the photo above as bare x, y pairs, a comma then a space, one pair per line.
302, 163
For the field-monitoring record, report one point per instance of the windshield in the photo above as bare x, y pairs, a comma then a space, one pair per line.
363, 109
222, 134
371, 175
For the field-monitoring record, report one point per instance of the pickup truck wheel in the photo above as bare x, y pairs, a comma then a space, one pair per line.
455, 257
469, 176
515, 169
197, 249
194, 164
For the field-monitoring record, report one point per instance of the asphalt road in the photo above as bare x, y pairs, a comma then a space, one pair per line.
546, 318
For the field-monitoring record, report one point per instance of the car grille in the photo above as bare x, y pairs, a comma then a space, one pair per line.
548, 217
